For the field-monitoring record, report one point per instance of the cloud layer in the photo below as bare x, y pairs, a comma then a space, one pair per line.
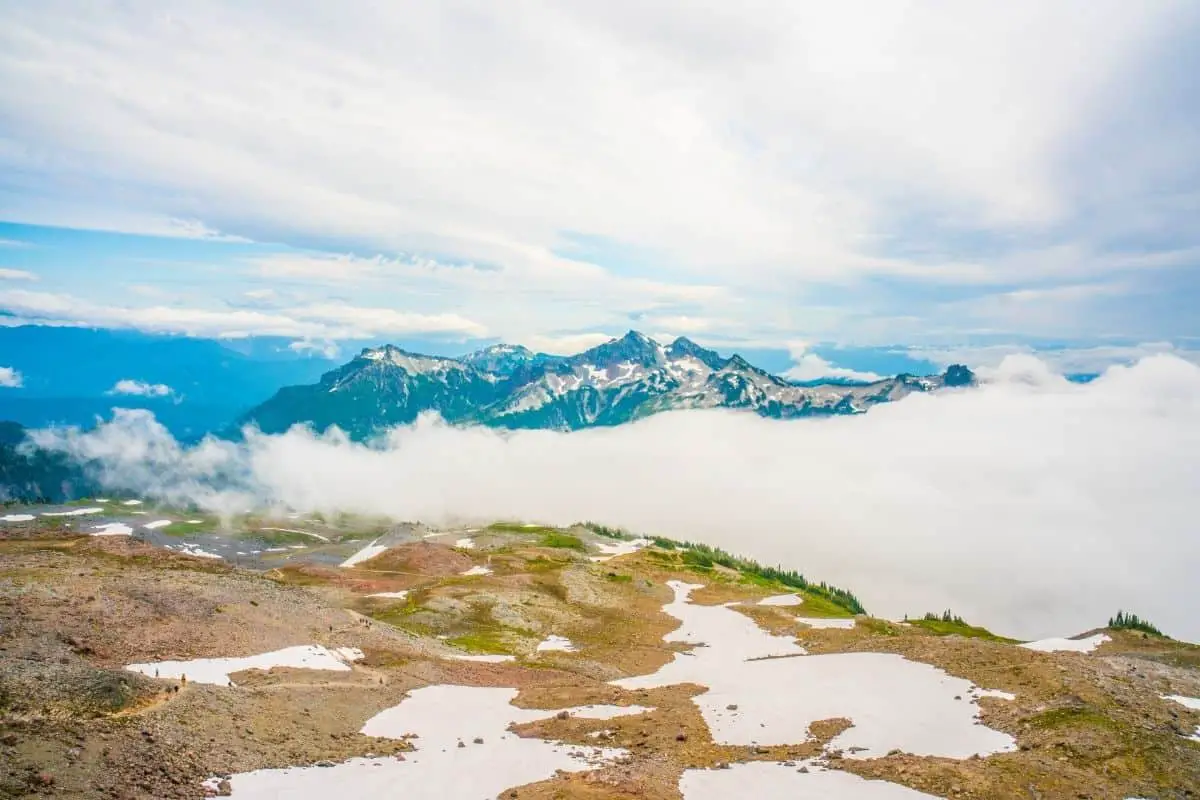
11, 378
1031, 505
136, 388
597, 160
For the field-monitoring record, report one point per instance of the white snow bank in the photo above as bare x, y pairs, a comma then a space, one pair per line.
1056, 645
554, 642
158, 523
619, 548
606, 712
755, 699
217, 670
132, 503
366, 554
782, 600
394, 595
195, 550
769, 779
1187, 702
843, 623
477, 570
112, 529
466, 544
302, 533
490, 760
17, 518
484, 659
195, 522
75, 512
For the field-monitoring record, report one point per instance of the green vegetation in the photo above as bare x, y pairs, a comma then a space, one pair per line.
1132, 622
488, 642
1075, 716
606, 531
948, 624
516, 527
552, 538
703, 557
618, 578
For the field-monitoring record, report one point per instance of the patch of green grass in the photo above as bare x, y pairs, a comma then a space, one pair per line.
879, 627
552, 538
616, 577
516, 527
1074, 716
957, 627
487, 642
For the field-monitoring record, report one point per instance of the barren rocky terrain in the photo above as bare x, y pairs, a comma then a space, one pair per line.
77, 609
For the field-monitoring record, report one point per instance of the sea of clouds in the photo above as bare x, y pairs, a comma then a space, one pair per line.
1030, 504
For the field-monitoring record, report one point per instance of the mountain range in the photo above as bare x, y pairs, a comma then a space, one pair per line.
510, 386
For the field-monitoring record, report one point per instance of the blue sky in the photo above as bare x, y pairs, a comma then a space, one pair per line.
838, 188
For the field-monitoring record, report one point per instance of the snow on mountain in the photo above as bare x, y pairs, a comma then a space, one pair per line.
618, 381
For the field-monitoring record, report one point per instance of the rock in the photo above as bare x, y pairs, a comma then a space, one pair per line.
681, 737
478, 740
224, 789
563, 715
731, 707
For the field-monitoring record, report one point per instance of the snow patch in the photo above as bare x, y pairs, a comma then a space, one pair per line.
190, 549
477, 570
782, 600
466, 544
556, 643
491, 759
216, 671
75, 512
366, 554
621, 548
303, 533
17, 518
132, 503
112, 529
763, 689
158, 523
1086, 645
393, 595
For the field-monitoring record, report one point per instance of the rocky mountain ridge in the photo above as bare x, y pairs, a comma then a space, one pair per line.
619, 381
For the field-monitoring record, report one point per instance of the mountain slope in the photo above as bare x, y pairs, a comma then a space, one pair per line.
613, 383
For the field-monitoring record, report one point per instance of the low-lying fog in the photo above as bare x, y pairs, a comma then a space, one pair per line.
1031, 505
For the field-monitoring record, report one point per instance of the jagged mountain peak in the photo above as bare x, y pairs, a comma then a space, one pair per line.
634, 347
683, 347
615, 382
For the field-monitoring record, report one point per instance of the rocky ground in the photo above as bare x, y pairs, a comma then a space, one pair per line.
75, 609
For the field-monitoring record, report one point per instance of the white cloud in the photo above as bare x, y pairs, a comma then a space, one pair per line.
16, 275
1012, 504
811, 367
13, 243
563, 344
11, 378
793, 139
313, 321
137, 388
1068, 360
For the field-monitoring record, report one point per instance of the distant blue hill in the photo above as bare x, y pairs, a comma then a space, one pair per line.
68, 373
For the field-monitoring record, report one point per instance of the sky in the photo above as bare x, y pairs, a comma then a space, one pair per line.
839, 187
